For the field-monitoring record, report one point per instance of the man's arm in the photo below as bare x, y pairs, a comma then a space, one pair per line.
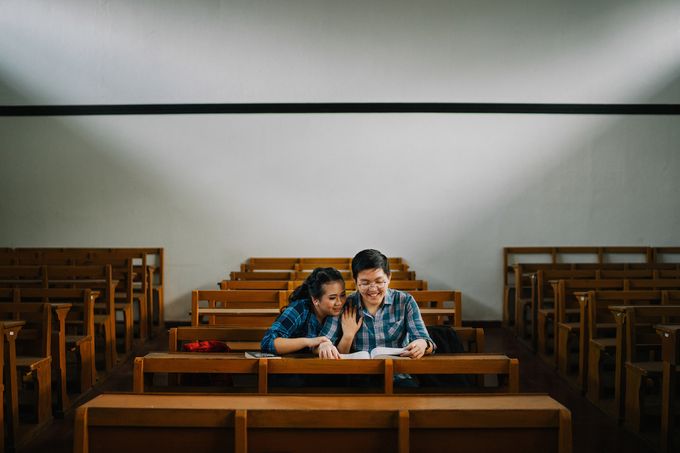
421, 344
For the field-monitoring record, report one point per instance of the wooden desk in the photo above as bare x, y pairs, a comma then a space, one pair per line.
235, 363
209, 423
670, 349
10, 331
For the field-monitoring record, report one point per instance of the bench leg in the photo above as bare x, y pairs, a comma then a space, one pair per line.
632, 404
562, 351
44, 384
593, 389
542, 333
86, 353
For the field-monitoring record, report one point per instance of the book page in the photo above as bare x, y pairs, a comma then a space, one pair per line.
260, 355
356, 355
382, 351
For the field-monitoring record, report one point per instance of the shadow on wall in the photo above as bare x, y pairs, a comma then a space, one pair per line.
615, 184
597, 180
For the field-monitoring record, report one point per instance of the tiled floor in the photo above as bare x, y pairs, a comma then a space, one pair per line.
593, 431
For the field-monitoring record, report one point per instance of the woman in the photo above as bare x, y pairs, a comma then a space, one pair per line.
321, 295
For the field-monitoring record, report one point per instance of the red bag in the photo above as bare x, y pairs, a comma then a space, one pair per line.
205, 346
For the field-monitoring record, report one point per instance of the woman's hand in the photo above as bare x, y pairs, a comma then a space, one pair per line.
328, 351
415, 349
314, 342
350, 325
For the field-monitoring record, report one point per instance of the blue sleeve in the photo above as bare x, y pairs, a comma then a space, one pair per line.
284, 326
331, 328
415, 326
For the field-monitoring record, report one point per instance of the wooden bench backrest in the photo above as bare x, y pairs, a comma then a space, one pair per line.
236, 299
268, 275
350, 285
455, 364
642, 341
278, 285
556, 255
20, 275
567, 289
440, 299
660, 284
179, 335
600, 301
347, 275
35, 338
304, 263
208, 423
82, 302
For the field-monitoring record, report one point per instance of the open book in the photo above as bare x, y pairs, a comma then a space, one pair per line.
376, 353
261, 355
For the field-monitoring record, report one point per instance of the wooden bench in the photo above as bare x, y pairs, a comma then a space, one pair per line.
569, 257
209, 423
238, 308
440, 307
278, 285
236, 338
99, 279
9, 416
249, 338
544, 296
644, 366
33, 355
670, 349
636, 342
598, 330
75, 333
300, 263
347, 275
569, 295
403, 285
235, 363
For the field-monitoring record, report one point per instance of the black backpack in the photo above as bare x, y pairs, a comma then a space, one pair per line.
447, 342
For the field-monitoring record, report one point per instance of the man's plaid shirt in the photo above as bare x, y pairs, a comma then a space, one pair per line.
396, 323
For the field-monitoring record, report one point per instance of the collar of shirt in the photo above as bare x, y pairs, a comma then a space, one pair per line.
387, 300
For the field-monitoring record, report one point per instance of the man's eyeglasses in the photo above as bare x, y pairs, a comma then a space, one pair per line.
365, 285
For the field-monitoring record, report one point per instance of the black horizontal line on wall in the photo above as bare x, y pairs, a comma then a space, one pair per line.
339, 107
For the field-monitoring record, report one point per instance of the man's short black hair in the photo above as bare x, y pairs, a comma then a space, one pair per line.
369, 259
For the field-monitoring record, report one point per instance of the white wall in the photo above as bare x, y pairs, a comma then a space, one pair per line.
445, 191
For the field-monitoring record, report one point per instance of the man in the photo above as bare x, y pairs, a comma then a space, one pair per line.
375, 315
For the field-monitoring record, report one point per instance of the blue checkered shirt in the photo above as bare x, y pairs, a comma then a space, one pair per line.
296, 321
396, 323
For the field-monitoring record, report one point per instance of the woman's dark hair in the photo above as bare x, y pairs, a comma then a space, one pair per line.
312, 288
369, 259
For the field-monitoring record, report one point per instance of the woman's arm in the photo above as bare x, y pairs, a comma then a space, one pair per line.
288, 345
283, 328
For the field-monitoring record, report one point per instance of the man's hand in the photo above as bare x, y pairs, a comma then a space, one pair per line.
415, 349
